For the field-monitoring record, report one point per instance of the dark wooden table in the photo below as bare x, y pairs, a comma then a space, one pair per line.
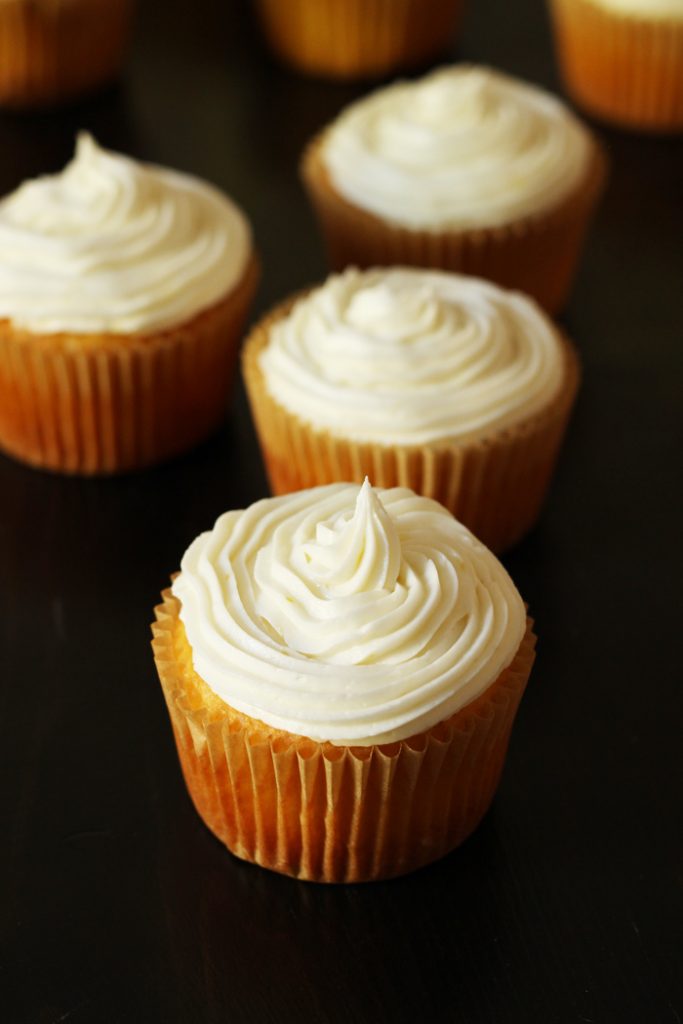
116, 904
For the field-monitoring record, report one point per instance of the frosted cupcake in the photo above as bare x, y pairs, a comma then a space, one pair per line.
342, 668
467, 170
439, 382
56, 50
623, 59
358, 38
123, 292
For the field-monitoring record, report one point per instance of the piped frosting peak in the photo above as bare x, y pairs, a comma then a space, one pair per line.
354, 615
111, 245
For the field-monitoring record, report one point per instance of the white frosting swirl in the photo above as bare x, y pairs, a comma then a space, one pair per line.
464, 147
347, 614
408, 356
113, 245
659, 9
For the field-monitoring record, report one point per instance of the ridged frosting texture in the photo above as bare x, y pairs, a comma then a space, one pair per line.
111, 245
347, 614
464, 147
409, 356
659, 9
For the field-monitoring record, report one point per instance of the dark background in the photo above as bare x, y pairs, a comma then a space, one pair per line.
116, 903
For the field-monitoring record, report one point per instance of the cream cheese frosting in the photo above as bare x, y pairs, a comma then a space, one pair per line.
409, 356
117, 246
659, 9
347, 614
464, 147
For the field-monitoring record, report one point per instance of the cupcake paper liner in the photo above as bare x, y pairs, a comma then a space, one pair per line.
355, 38
623, 68
334, 814
52, 50
537, 255
494, 486
95, 404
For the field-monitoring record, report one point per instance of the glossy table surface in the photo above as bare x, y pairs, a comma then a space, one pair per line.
116, 904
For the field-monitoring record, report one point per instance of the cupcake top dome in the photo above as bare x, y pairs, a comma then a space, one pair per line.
111, 245
347, 614
463, 147
410, 356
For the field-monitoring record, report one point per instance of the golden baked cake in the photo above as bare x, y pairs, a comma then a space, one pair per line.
349, 39
440, 382
342, 668
123, 292
466, 169
56, 50
623, 59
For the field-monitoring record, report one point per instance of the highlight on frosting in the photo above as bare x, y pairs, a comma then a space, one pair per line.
659, 9
409, 356
463, 147
346, 613
117, 246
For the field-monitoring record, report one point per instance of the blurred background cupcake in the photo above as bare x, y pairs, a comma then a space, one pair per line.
123, 291
358, 38
466, 169
623, 59
441, 383
56, 50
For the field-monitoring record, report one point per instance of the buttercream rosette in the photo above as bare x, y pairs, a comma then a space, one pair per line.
342, 668
123, 291
442, 383
466, 170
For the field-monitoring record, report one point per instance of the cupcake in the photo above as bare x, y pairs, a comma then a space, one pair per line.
123, 292
55, 50
465, 169
623, 59
358, 38
342, 667
442, 383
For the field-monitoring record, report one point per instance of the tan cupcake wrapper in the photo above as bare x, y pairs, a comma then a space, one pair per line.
623, 68
495, 486
326, 813
537, 255
355, 38
52, 50
97, 404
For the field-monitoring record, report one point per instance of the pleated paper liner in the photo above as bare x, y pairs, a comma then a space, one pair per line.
326, 813
97, 404
53, 51
355, 38
495, 486
537, 255
627, 69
